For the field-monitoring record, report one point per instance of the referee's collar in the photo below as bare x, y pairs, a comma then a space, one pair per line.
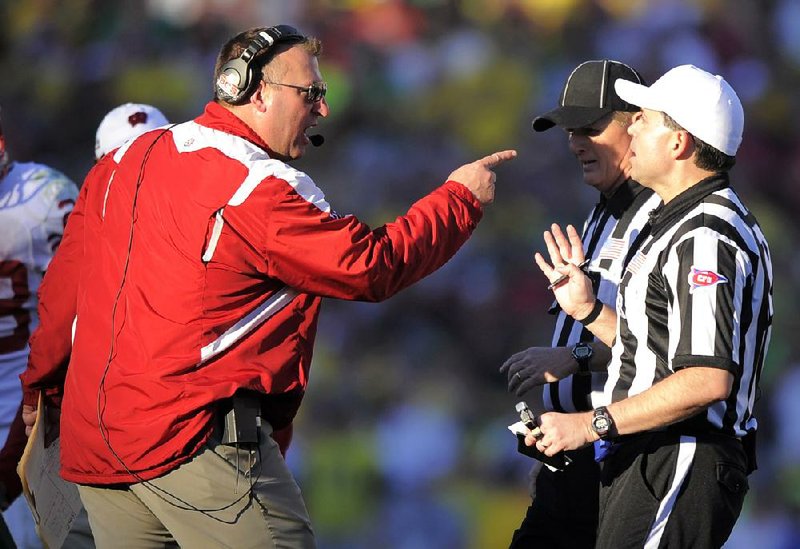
664, 215
622, 197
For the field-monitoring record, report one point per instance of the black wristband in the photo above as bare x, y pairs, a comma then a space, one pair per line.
592, 316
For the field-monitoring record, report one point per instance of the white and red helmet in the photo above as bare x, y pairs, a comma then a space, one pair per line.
124, 123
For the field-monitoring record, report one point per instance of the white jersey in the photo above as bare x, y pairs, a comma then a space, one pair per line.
34, 204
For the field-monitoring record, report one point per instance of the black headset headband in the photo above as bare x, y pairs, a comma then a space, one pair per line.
236, 80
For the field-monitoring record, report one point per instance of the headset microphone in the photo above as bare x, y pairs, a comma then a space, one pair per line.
316, 140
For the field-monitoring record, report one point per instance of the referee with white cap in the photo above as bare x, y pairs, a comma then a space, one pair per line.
690, 332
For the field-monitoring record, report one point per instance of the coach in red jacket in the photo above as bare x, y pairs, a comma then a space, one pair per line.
201, 261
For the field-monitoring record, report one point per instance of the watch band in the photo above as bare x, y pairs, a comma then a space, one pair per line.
593, 314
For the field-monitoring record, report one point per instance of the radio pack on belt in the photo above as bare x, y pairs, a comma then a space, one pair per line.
243, 419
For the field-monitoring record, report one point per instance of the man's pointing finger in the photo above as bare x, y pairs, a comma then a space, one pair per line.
498, 158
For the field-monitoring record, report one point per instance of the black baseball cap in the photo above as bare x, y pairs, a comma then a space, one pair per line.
589, 95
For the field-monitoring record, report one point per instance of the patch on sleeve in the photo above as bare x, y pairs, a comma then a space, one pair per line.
703, 278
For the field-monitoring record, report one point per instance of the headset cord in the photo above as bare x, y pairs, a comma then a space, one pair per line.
101, 402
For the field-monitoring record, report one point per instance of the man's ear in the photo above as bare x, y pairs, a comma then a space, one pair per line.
682, 144
261, 99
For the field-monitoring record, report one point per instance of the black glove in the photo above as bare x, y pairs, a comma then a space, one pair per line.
519, 373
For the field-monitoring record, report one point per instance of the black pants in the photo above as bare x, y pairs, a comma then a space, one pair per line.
6, 541
564, 511
664, 490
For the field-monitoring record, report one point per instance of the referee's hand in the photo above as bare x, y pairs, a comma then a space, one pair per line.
559, 432
536, 366
571, 287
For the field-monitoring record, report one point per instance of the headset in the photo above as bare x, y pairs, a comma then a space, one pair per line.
236, 80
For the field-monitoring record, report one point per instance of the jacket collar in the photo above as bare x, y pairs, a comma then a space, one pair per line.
217, 117
662, 217
622, 197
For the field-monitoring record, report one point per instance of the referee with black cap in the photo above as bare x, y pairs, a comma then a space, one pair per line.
564, 507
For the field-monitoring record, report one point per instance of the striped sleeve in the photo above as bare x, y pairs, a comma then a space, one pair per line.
708, 277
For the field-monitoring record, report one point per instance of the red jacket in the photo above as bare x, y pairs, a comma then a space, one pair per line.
202, 267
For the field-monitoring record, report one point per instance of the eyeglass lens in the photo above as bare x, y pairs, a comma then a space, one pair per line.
317, 91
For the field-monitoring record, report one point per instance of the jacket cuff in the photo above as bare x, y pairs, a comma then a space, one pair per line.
30, 397
466, 196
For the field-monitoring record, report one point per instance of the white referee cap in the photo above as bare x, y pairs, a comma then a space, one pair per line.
702, 103
124, 123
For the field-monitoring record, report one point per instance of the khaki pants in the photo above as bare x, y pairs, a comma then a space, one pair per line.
80, 535
206, 503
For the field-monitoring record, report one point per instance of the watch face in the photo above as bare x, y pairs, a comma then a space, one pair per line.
582, 352
601, 424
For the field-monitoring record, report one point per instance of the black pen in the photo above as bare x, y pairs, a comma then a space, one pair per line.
562, 278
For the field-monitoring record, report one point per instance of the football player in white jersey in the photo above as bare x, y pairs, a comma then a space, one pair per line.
35, 201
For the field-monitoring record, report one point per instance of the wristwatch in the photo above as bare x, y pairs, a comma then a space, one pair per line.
602, 423
582, 353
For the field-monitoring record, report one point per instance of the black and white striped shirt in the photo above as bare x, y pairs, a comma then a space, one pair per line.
696, 291
608, 233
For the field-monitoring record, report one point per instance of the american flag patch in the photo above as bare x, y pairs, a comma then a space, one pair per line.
613, 249
637, 262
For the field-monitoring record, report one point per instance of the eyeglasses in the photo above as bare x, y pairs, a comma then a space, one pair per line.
315, 92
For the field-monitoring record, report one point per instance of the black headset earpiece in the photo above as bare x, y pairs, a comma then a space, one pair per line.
236, 77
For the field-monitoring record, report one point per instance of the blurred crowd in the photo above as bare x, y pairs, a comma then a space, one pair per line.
402, 440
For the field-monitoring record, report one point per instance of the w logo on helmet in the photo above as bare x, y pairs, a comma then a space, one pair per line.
702, 278
137, 118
